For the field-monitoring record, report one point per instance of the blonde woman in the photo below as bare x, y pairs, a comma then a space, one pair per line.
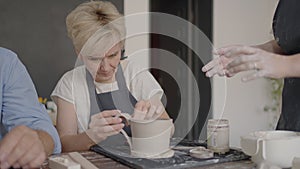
90, 96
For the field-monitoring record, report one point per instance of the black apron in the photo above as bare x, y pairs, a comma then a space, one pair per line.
286, 28
120, 99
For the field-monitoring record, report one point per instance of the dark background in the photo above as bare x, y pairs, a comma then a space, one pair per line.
198, 12
36, 31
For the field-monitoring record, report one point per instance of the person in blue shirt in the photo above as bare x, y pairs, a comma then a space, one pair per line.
27, 135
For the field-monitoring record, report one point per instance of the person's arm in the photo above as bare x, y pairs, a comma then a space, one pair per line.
219, 64
292, 66
156, 100
24, 147
46, 140
102, 125
147, 91
148, 109
21, 105
270, 46
149, 105
28, 126
265, 64
66, 124
151, 109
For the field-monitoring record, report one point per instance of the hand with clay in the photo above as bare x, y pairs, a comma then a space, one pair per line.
104, 124
147, 110
235, 59
217, 66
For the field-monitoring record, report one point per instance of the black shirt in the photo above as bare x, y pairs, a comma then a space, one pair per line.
286, 27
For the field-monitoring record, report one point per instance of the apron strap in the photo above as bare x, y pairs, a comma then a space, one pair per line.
94, 107
95, 104
121, 79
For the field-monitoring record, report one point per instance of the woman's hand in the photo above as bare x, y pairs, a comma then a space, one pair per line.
245, 58
217, 66
104, 124
146, 110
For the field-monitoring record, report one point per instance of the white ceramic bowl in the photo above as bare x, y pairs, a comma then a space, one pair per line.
273, 147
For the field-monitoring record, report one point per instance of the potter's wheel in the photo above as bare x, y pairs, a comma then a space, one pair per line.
123, 150
167, 154
180, 159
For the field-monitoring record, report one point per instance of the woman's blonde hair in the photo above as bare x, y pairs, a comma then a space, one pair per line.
89, 17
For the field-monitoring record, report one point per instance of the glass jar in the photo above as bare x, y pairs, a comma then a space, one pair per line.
218, 135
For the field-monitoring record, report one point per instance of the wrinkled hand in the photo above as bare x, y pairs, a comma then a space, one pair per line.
217, 66
245, 58
146, 110
104, 124
22, 148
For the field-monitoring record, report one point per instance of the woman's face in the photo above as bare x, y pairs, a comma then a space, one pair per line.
104, 66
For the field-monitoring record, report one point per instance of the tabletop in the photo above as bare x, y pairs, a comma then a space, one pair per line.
103, 162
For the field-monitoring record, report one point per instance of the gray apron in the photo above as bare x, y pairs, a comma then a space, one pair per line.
120, 99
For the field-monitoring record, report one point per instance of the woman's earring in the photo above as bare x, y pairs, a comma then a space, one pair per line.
123, 54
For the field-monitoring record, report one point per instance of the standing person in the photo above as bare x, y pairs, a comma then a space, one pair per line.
90, 96
279, 58
27, 134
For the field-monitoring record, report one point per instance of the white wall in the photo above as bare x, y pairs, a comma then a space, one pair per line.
242, 22
140, 42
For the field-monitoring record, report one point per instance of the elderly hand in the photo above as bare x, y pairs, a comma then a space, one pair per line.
146, 110
104, 124
217, 66
22, 148
245, 58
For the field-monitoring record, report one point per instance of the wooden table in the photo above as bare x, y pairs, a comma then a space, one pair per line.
103, 162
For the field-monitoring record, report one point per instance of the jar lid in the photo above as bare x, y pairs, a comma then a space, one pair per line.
217, 123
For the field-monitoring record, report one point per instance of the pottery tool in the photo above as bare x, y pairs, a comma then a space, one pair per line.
62, 163
85, 164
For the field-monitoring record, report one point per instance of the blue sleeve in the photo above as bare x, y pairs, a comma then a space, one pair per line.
20, 105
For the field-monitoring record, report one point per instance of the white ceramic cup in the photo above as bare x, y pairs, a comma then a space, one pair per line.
149, 138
